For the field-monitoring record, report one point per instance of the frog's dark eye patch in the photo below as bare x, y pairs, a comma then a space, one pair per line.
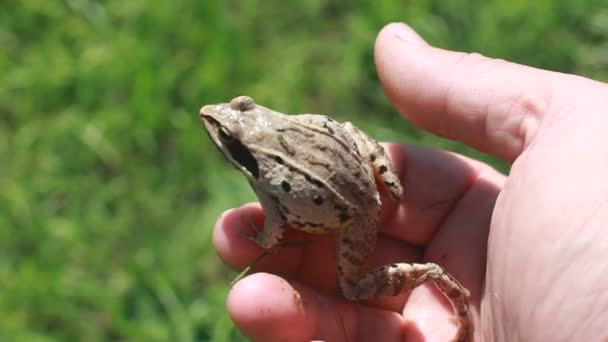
225, 136
241, 154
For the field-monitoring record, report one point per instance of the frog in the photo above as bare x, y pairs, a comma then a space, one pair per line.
315, 174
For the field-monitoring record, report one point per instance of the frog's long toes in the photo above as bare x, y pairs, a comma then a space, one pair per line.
257, 236
262, 240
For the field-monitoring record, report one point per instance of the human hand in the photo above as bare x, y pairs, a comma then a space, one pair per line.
530, 247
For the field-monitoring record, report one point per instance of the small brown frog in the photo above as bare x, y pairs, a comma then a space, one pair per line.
318, 175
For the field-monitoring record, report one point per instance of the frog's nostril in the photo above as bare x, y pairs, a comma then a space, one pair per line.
242, 103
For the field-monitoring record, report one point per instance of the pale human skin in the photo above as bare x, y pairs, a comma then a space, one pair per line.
531, 247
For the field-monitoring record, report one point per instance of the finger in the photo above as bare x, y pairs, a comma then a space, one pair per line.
434, 183
493, 105
446, 210
426, 305
460, 242
230, 238
268, 308
447, 207
312, 263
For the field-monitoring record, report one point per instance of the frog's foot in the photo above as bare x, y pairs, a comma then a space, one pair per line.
253, 227
264, 241
267, 239
259, 237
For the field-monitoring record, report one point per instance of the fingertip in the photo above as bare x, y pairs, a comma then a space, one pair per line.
401, 31
230, 239
403, 66
230, 234
268, 308
429, 314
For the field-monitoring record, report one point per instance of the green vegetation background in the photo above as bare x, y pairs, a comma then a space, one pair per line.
109, 189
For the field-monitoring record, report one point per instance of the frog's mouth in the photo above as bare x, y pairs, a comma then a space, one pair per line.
211, 127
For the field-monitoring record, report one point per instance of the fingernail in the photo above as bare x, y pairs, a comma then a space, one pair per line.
406, 34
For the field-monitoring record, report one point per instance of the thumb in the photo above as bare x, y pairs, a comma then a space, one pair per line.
490, 104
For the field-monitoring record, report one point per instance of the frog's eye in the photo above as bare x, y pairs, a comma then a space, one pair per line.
225, 136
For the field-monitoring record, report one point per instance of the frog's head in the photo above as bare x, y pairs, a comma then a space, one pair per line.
229, 125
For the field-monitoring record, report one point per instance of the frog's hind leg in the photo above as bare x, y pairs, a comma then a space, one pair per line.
370, 150
395, 278
354, 246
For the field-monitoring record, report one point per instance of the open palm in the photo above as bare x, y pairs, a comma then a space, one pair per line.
524, 245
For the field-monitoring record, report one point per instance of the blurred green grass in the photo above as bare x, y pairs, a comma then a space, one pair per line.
109, 187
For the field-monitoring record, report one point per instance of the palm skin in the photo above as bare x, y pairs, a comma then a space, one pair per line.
531, 247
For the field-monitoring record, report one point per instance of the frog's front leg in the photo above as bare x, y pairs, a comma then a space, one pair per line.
272, 233
354, 247
371, 151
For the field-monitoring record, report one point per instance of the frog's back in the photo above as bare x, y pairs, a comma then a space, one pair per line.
328, 157
309, 168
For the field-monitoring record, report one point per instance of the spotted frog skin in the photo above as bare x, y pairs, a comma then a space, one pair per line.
321, 176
